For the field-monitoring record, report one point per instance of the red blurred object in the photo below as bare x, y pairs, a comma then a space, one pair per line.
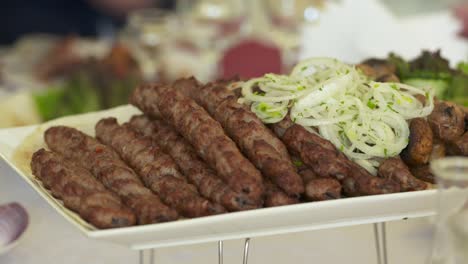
461, 12
251, 58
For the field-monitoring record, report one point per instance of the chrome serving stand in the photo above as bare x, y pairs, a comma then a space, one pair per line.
147, 256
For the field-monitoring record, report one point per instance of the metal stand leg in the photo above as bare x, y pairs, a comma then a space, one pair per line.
381, 243
146, 256
220, 252
246, 251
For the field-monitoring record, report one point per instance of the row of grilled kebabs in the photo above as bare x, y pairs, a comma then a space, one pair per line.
198, 152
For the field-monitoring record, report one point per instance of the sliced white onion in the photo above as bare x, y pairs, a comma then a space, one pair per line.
366, 120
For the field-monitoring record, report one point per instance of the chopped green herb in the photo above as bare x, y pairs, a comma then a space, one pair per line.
298, 163
371, 104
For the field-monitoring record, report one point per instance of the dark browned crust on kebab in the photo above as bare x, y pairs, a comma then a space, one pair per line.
419, 149
274, 196
395, 169
110, 170
195, 169
459, 146
423, 172
157, 169
80, 191
205, 134
254, 139
317, 188
447, 121
326, 161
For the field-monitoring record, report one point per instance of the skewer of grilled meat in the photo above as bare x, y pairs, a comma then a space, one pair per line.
80, 191
156, 168
419, 149
204, 134
195, 169
254, 139
109, 169
447, 121
395, 169
326, 161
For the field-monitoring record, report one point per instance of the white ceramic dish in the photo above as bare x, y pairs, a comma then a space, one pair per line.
260, 222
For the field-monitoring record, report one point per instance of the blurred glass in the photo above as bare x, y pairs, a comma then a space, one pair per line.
145, 34
451, 236
210, 23
286, 19
291, 14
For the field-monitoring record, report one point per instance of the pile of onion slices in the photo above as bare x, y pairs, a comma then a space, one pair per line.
364, 119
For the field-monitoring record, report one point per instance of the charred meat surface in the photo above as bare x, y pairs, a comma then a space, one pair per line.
195, 169
274, 196
317, 188
459, 146
419, 149
157, 169
423, 172
395, 169
447, 121
80, 191
109, 169
377, 68
204, 134
254, 139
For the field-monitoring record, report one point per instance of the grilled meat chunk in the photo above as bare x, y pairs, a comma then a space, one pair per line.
447, 121
395, 169
423, 172
80, 191
317, 188
276, 197
419, 149
111, 171
377, 68
459, 146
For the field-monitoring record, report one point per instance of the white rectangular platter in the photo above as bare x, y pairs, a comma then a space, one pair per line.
260, 222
